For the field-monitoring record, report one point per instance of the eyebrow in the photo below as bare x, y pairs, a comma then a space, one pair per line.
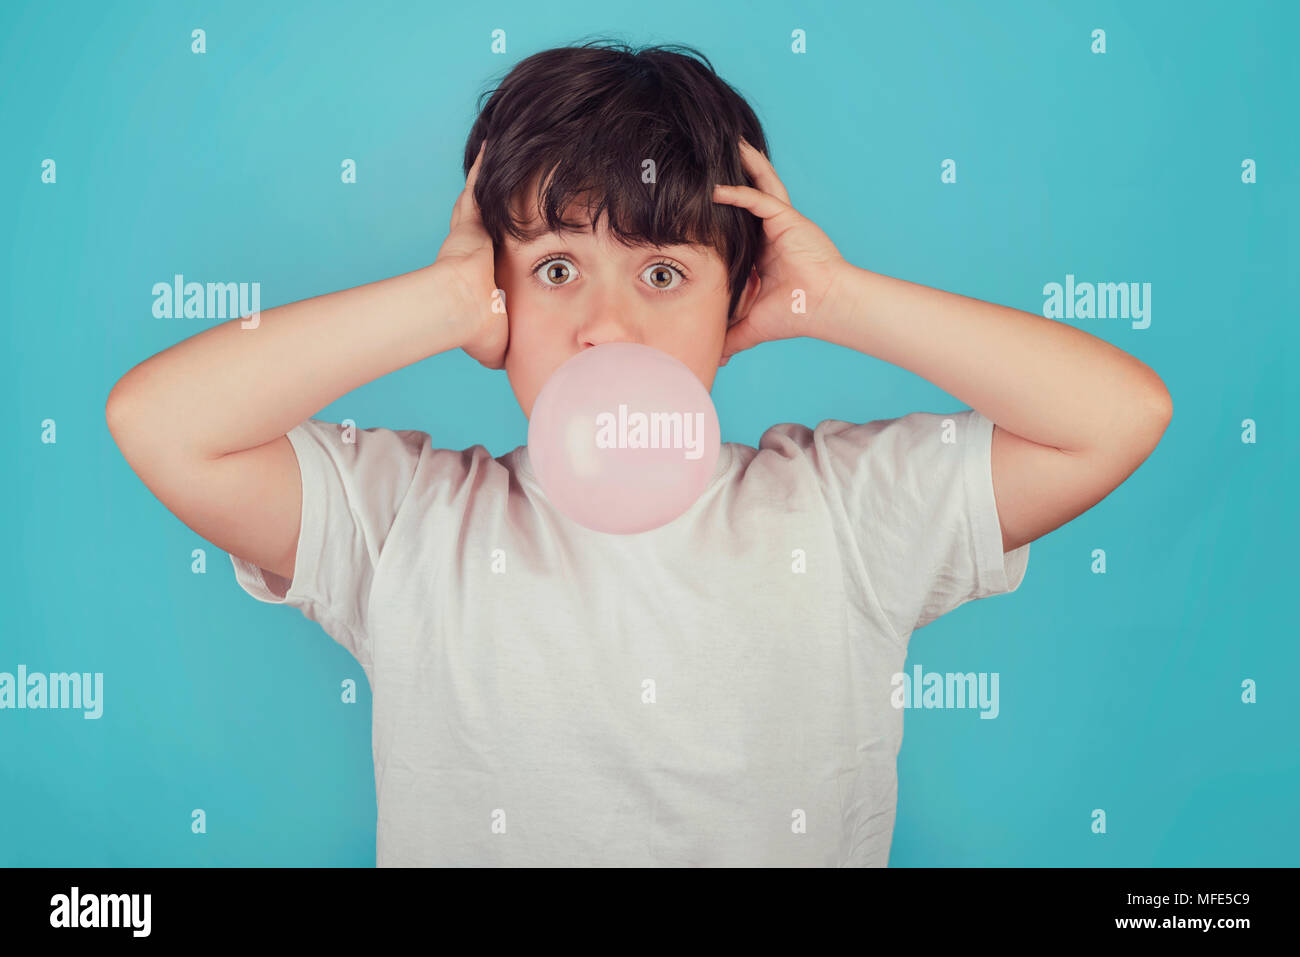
564, 231
560, 234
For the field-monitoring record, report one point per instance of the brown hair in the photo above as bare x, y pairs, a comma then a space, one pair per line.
588, 117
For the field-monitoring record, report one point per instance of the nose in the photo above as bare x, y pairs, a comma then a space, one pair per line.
610, 317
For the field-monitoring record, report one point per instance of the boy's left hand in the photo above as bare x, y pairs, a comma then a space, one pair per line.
797, 255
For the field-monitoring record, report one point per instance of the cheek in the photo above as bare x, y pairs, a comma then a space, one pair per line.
701, 327
539, 335
535, 317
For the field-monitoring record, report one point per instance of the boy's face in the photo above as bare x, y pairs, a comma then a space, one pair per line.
568, 292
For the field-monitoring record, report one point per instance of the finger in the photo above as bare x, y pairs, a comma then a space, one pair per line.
465, 207
472, 175
762, 171
471, 204
761, 204
739, 338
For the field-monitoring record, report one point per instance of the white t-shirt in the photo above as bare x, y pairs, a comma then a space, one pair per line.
712, 692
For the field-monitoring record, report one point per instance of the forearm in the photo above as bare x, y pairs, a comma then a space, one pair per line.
1043, 380
232, 388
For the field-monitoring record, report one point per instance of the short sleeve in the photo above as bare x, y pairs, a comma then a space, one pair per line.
353, 484
917, 494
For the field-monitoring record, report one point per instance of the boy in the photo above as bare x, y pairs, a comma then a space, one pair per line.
712, 692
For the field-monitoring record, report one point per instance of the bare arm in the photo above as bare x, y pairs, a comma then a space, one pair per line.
1073, 415
203, 423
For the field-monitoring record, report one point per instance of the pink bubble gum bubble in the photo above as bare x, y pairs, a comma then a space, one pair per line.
623, 438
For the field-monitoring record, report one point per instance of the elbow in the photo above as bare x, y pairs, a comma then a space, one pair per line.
1162, 404
1157, 412
115, 408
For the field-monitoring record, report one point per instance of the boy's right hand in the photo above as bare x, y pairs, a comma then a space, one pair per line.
466, 255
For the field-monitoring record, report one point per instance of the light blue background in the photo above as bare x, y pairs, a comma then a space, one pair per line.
1118, 691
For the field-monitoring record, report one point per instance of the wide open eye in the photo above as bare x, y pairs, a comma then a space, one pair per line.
660, 276
558, 272
555, 272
